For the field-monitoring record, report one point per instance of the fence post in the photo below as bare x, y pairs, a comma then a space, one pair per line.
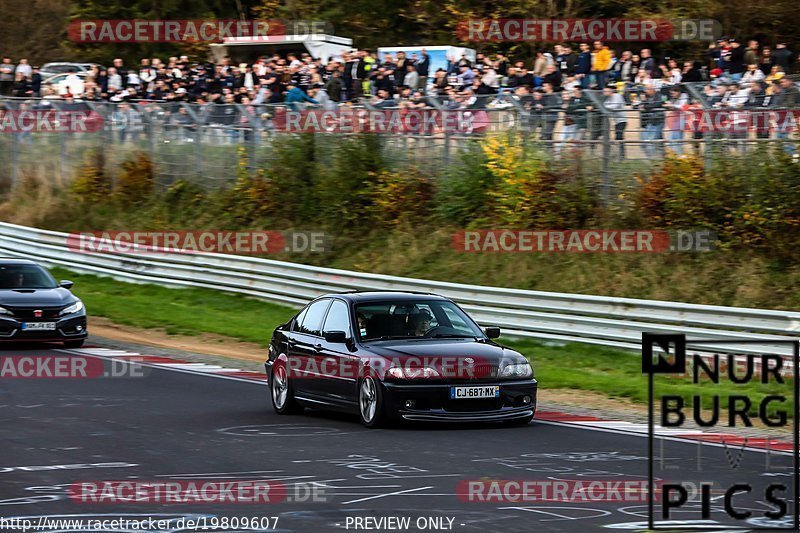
606, 184
14, 160
62, 147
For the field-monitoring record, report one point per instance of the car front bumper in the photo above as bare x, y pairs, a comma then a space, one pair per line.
67, 329
431, 402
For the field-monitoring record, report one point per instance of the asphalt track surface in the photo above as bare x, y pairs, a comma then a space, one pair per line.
177, 425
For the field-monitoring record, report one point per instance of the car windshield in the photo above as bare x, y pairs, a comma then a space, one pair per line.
25, 277
409, 319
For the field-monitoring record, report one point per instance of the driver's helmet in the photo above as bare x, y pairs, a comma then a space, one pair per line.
422, 315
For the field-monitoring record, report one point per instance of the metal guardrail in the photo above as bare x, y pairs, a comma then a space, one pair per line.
600, 320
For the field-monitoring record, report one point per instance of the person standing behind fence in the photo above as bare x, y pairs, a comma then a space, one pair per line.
786, 97
353, 74
7, 69
550, 107
334, 87
615, 104
652, 121
601, 63
675, 120
757, 103
583, 66
423, 69
575, 109
782, 57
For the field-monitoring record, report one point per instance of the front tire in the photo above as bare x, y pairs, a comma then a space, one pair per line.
282, 392
370, 403
74, 344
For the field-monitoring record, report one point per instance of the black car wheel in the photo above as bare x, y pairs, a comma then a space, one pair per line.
282, 392
370, 403
73, 344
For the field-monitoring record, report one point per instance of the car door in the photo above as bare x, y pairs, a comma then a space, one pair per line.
304, 345
339, 365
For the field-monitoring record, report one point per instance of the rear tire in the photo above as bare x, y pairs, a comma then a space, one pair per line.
74, 344
370, 403
281, 392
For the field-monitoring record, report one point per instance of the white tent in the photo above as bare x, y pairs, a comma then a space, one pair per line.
318, 45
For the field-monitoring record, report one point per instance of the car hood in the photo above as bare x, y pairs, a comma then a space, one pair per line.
401, 351
36, 297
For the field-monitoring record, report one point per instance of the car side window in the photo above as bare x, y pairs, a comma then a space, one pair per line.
312, 321
299, 320
338, 319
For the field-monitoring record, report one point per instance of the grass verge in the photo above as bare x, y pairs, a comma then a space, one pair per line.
193, 311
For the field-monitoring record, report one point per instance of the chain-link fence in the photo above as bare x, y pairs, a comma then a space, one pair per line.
615, 134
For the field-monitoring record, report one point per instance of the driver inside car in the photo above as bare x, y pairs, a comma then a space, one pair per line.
422, 322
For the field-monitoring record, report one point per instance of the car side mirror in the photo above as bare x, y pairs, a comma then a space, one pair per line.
67, 284
492, 332
335, 337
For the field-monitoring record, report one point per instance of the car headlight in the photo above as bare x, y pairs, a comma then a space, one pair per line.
412, 373
4, 311
517, 370
74, 308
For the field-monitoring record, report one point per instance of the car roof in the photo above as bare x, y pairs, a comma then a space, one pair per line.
382, 296
15, 261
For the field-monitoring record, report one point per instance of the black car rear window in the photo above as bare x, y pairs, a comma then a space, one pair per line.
25, 277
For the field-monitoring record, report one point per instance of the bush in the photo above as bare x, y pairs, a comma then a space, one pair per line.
136, 182
343, 190
92, 185
402, 198
462, 193
750, 201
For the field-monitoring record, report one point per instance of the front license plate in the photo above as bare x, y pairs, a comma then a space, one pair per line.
462, 393
28, 326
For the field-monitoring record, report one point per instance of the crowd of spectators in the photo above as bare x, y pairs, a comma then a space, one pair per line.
360, 73
551, 86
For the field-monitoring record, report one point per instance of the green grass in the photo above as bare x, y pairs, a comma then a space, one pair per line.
189, 311
618, 374
193, 311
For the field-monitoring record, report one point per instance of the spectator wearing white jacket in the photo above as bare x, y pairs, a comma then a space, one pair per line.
615, 104
752, 74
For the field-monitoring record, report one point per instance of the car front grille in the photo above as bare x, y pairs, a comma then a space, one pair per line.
29, 313
479, 372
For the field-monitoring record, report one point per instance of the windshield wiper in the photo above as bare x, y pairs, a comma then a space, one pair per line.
453, 336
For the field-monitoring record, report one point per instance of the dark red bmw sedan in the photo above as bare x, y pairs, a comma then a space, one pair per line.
391, 356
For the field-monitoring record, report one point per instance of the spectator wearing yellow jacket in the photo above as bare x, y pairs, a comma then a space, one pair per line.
369, 64
601, 63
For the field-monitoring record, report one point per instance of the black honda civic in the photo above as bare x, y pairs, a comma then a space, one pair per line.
391, 356
35, 308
